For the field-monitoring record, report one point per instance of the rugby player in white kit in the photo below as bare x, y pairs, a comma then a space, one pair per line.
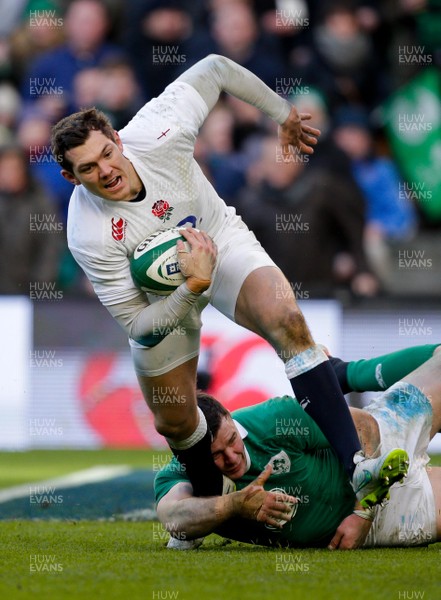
144, 179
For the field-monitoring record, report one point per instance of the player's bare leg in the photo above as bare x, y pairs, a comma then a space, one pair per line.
172, 399
367, 430
312, 377
280, 322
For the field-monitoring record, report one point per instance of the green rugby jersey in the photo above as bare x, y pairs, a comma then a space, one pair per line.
304, 465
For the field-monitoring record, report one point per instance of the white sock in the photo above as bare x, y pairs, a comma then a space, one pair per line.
305, 361
195, 437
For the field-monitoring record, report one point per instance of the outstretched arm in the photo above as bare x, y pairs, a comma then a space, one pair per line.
180, 512
216, 74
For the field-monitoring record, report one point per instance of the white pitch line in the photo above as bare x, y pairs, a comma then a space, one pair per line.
92, 475
139, 514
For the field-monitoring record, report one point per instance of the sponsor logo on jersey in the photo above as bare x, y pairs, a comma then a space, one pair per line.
379, 377
304, 402
162, 210
280, 463
190, 220
118, 228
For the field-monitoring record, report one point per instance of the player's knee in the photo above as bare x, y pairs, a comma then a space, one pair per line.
291, 324
174, 428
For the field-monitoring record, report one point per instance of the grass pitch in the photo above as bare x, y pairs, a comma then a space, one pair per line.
118, 559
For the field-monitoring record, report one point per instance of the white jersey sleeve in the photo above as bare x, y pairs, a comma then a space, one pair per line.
111, 278
215, 74
89, 235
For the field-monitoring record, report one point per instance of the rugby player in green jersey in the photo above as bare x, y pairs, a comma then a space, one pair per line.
291, 489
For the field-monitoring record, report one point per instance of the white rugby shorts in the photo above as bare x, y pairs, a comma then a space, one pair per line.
404, 416
239, 254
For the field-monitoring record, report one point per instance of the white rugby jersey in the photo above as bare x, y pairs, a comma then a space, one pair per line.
159, 141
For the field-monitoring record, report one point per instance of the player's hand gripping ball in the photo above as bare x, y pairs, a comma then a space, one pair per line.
154, 265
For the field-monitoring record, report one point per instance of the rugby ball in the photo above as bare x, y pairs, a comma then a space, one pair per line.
154, 264
292, 513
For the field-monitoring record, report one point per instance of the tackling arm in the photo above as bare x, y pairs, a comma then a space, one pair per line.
181, 512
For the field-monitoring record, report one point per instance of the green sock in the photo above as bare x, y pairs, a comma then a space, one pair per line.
376, 374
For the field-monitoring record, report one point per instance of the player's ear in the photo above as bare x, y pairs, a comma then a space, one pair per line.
118, 140
70, 177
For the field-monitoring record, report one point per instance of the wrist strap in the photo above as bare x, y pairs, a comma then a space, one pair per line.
367, 513
197, 286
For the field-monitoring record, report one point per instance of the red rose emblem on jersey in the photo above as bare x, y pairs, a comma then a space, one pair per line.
162, 210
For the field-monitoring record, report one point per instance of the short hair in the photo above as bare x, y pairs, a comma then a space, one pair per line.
213, 411
73, 131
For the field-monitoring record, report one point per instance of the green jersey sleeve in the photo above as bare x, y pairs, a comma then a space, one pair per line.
170, 475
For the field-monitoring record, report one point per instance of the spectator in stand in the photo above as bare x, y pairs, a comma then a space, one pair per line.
34, 137
86, 87
236, 35
119, 95
35, 35
327, 155
389, 217
30, 232
344, 63
229, 143
10, 14
289, 23
112, 88
226, 146
10, 105
214, 149
162, 41
50, 78
410, 25
296, 211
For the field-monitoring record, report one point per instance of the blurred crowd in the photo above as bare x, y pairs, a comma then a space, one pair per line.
327, 220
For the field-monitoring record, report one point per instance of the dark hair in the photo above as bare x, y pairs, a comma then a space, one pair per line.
73, 131
213, 411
